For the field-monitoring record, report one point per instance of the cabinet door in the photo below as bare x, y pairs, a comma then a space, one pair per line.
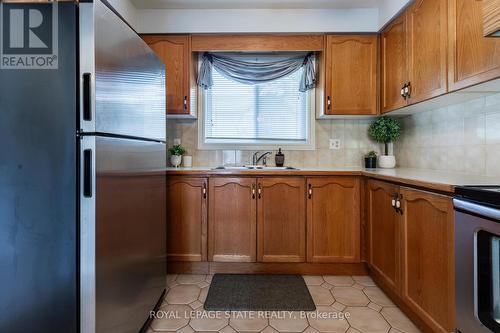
351, 75
427, 46
428, 259
333, 219
472, 57
232, 220
281, 220
174, 51
393, 59
187, 219
384, 233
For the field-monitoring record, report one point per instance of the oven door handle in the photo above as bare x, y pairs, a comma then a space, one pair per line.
477, 209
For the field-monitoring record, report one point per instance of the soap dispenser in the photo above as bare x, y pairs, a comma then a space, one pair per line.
279, 158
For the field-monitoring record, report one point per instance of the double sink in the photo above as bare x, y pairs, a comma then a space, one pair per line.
254, 167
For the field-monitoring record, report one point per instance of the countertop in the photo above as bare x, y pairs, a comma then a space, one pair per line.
442, 181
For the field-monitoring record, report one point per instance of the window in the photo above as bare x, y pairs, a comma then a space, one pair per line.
267, 114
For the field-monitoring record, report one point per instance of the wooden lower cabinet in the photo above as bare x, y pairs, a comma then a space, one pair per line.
427, 257
333, 219
187, 219
384, 234
281, 219
232, 220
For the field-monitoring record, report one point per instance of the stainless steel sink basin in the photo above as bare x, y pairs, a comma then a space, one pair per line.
254, 167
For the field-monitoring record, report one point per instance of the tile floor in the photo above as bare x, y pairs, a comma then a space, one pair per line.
336, 297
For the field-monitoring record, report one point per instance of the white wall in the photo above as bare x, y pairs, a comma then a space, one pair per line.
388, 9
257, 20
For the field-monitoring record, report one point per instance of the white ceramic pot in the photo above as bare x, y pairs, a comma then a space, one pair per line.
387, 161
175, 160
187, 161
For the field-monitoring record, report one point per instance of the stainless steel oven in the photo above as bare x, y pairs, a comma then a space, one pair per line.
477, 259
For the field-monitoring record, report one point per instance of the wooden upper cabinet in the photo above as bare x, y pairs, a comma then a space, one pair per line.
428, 260
333, 219
232, 220
351, 75
427, 46
384, 234
473, 58
281, 220
491, 18
394, 71
187, 219
175, 52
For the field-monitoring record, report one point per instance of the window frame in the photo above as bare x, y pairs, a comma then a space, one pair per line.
309, 144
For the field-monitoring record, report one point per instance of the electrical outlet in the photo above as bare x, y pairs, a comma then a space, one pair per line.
335, 144
177, 141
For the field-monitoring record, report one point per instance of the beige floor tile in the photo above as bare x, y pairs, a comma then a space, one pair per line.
352, 330
339, 280
328, 321
227, 329
398, 320
364, 280
376, 295
350, 296
338, 306
203, 295
358, 286
203, 284
294, 323
310, 330
187, 329
375, 306
171, 278
367, 320
183, 294
393, 330
313, 280
190, 279
249, 324
209, 324
176, 317
320, 295
269, 329
327, 286
209, 278
195, 305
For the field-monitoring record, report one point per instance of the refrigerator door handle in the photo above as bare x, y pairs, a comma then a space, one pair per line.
87, 173
87, 96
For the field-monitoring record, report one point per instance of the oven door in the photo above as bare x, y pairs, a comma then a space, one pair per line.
477, 267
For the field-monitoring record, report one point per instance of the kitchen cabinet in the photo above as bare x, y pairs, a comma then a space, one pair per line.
175, 52
351, 75
472, 58
384, 234
427, 34
411, 250
187, 219
428, 260
491, 18
281, 217
333, 219
232, 219
394, 71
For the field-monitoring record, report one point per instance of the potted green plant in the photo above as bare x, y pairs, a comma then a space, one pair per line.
385, 130
371, 160
176, 153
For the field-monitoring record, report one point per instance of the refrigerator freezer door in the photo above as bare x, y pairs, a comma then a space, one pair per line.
122, 81
127, 230
38, 191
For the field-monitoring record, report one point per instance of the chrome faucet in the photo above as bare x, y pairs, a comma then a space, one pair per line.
263, 157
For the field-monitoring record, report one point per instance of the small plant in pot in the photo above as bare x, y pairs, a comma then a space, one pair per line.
385, 130
371, 160
176, 153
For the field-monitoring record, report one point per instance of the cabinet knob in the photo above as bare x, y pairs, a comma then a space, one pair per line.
403, 91
309, 191
253, 191
204, 191
328, 102
185, 102
408, 90
259, 191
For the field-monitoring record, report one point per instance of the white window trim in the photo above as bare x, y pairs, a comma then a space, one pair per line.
310, 143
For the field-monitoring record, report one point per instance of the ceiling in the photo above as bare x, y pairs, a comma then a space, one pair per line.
255, 4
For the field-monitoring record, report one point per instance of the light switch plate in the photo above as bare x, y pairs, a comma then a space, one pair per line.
334, 144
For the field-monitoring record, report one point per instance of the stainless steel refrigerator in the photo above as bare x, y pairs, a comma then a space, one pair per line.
82, 192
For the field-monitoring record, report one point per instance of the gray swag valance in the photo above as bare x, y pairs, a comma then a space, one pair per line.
240, 68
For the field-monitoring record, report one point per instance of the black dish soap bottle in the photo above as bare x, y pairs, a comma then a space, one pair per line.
279, 158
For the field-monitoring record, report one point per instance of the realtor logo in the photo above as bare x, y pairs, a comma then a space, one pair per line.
28, 36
